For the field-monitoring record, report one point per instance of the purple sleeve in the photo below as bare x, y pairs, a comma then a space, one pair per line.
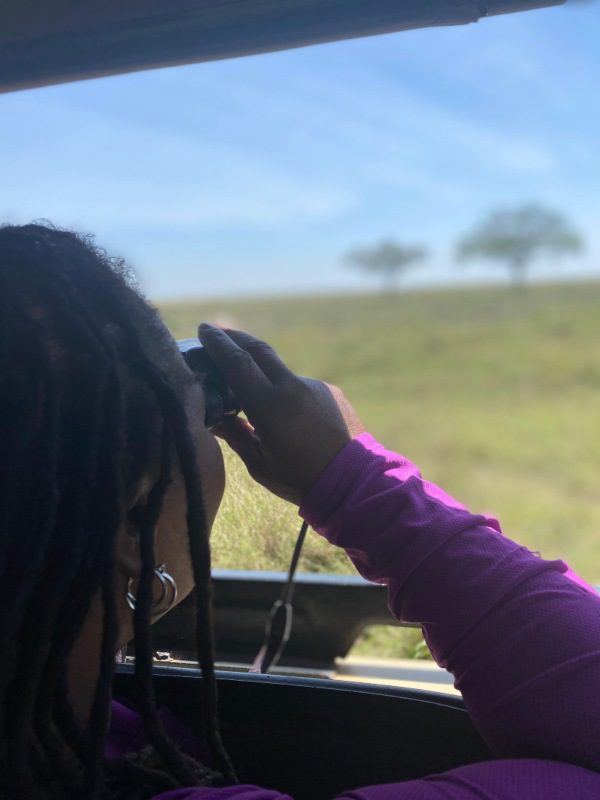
244, 792
520, 634
522, 779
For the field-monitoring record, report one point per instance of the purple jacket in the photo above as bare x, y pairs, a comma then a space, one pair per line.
520, 635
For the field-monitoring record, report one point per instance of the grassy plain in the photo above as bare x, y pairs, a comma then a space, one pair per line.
495, 394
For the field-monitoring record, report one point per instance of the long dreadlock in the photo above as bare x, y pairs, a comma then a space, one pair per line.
84, 401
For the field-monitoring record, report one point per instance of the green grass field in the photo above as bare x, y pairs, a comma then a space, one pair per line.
495, 394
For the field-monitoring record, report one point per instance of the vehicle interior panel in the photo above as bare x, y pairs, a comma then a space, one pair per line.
315, 738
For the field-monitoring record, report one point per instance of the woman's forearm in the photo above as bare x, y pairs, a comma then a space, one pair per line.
521, 638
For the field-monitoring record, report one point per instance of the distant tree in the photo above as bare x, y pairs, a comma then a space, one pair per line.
518, 237
388, 259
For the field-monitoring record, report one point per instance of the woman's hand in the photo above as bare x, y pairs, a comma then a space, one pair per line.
295, 425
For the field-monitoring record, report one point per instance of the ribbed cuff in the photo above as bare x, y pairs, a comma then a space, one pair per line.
328, 494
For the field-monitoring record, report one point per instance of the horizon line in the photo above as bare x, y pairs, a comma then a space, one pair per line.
454, 286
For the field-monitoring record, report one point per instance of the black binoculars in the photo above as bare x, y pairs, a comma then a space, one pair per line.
220, 401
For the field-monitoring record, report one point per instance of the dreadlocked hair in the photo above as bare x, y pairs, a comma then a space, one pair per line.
85, 401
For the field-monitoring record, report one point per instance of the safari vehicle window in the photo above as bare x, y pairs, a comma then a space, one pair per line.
411, 216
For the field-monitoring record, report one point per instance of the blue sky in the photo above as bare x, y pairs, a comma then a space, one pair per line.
255, 175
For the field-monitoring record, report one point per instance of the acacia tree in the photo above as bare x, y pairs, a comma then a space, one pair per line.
388, 260
518, 237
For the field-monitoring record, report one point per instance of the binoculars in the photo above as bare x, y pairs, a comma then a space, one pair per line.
220, 401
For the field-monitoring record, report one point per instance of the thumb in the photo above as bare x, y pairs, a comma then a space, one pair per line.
240, 436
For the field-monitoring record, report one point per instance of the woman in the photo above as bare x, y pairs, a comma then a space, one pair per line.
109, 474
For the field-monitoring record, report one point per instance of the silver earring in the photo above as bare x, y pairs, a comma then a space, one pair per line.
168, 587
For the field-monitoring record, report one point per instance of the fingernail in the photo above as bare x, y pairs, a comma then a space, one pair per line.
204, 326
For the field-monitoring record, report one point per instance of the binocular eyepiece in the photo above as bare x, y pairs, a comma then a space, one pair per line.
220, 401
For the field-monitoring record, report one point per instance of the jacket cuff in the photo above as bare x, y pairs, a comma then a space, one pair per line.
329, 493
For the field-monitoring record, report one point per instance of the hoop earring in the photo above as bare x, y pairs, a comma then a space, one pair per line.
168, 587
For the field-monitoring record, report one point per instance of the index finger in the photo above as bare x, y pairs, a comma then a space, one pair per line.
244, 376
264, 355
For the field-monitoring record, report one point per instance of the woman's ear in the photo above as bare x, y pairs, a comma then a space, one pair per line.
128, 540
